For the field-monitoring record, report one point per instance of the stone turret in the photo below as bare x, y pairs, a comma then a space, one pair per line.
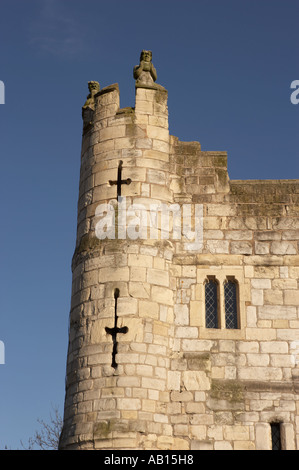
184, 315
121, 320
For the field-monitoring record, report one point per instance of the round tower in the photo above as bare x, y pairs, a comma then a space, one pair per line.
121, 318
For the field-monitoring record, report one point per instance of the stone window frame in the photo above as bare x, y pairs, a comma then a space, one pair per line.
263, 436
197, 302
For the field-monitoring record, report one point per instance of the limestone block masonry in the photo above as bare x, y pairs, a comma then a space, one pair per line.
144, 369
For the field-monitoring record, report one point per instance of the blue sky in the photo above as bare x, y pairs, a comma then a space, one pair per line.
227, 66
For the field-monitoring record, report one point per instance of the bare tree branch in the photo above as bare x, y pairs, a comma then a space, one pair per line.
47, 438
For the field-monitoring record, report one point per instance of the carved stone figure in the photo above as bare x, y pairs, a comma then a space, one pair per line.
145, 73
94, 87
88, 107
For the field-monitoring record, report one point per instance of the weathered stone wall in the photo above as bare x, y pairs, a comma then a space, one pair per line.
229, 384
178, 384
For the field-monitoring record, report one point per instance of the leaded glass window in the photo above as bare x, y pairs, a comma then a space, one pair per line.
275, 436
211, 303
231, 304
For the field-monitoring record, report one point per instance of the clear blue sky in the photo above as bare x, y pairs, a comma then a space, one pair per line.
227, 65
